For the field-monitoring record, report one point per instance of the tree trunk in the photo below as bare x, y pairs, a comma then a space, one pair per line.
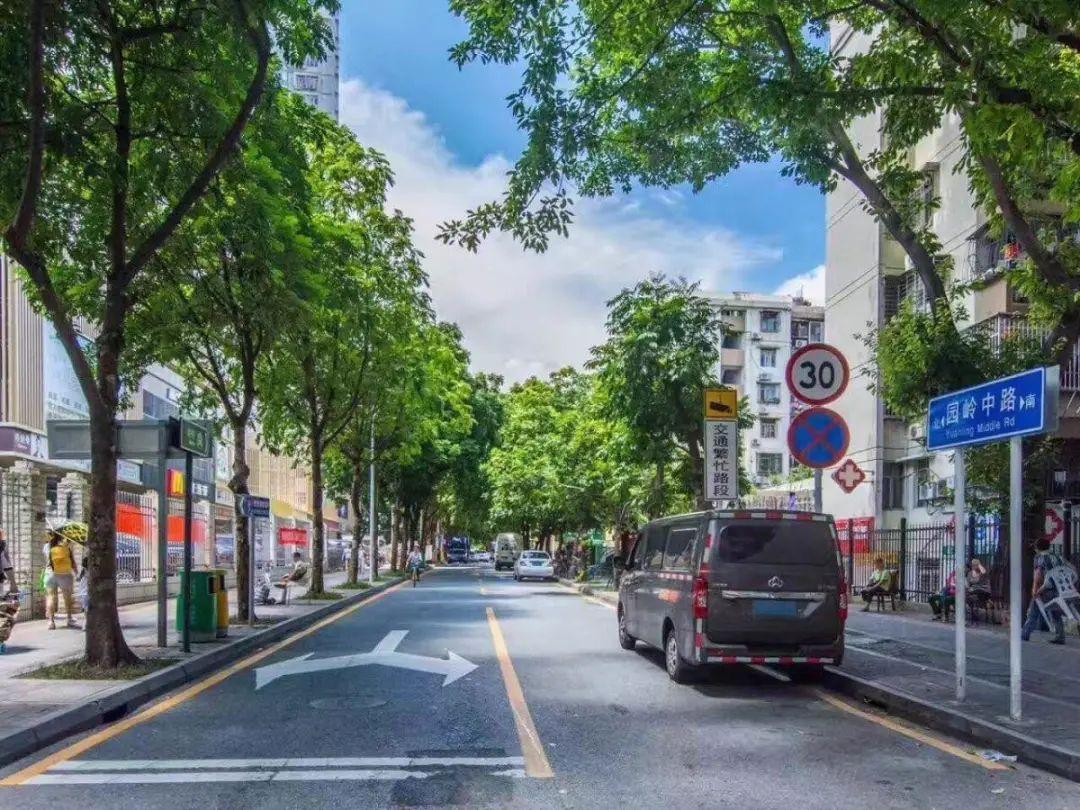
105, 645
354, 505
239, 486
317, 585
697, 463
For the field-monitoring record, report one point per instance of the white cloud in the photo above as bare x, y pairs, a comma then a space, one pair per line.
810, 285
523, 313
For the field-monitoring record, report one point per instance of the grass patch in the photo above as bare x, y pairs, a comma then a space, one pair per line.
81, 671
325, 596
361, 585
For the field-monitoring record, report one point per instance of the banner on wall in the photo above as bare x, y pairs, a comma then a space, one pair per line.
292, 537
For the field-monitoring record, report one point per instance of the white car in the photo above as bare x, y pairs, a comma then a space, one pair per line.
534, 565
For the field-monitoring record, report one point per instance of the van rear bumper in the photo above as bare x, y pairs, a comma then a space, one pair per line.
739, 654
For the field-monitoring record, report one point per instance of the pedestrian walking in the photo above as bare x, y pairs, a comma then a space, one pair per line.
7, 570
1043, 588
880, 581
59, 577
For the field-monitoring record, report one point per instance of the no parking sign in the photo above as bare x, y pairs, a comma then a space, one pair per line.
818, 438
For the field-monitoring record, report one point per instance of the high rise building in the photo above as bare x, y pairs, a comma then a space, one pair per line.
760, 333
318, 80
868, 277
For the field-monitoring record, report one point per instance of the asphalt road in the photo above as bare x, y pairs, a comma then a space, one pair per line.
554, 714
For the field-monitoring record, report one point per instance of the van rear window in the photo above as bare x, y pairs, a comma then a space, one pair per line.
776, 543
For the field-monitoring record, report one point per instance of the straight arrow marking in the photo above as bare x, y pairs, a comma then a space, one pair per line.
453, 667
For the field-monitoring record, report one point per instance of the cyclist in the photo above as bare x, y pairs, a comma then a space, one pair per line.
414, 563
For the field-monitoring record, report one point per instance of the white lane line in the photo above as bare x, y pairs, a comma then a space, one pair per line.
222, 776
88, 765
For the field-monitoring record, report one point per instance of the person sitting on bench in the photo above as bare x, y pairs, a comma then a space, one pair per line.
880, 581
299, 571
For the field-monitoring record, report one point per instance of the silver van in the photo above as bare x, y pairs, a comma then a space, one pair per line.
736, 587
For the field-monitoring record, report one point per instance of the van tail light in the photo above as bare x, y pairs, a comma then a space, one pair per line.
843, 601
701, 596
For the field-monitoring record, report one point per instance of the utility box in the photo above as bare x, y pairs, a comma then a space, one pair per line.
204, 605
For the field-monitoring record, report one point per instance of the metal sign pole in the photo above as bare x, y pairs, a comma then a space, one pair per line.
163, 555
1016, 508
817, 490
188, 469
372, 518
960, 559
251, 568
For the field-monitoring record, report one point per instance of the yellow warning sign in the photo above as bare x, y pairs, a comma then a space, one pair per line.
721, 403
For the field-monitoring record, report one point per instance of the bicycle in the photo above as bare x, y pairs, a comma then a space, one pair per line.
415, 575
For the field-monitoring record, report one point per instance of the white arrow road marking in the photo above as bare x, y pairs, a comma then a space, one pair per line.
385, 652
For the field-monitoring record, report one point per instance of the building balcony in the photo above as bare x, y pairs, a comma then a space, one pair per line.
732, 358
1012, 326
734, 323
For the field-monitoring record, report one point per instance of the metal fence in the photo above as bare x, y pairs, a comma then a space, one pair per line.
923, 555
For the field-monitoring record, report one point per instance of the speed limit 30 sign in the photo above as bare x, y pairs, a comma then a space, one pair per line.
817, 374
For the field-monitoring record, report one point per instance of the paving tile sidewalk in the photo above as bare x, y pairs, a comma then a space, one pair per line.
910, 657
32, 645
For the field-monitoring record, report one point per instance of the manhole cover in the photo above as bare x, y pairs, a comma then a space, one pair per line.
358, 702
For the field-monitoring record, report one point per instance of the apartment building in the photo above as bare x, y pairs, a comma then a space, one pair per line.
760, 332
318, 80
868, 277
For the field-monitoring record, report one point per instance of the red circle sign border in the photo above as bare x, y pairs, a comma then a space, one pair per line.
792, 361
797, 422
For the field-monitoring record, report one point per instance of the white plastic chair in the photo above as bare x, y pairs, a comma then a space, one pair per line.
1067, 599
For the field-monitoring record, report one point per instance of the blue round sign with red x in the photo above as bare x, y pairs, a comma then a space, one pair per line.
818, 438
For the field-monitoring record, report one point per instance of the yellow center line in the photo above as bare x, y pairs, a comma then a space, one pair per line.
536, 761
914, 734
149, 713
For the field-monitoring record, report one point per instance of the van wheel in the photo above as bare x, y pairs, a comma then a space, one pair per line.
677, 669
626, 641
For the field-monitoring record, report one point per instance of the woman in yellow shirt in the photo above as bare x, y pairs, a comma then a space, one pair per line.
59, 576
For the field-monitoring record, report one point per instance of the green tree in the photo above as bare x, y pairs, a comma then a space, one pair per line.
117, 116
661, 354
236, 276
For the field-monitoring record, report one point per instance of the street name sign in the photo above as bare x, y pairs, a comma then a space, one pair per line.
721, 470
721, 403
253, 506
195, 438
817, 374
818, 438
1019, 405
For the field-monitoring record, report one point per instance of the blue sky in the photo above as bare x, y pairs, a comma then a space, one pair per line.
762, 229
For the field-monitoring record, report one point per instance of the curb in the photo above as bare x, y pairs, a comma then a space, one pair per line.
63, 723
1048, 757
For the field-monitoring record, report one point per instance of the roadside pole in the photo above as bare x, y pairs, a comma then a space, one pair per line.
1016, 509
817, 490
188, 469
163, 555
372, 518
251, 570
960, 569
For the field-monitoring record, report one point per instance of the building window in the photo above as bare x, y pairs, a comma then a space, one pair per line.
731, 376
769, 464
732, 340
768, 428
770, 321
892, 486
928, 196
769, 393
817, 331
732, 313
307, 82
768, 358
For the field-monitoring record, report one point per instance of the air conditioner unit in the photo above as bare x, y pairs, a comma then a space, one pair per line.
764, 376
755, 442
800, 342
928, 492
917, 432
755, 337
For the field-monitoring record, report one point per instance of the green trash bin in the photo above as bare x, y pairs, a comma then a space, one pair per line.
204, 605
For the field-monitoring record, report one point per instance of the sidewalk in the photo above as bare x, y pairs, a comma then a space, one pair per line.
906, 662
28, 701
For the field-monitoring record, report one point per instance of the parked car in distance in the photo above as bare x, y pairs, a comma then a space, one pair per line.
507, 548
481, 556
534, 565
734, 587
